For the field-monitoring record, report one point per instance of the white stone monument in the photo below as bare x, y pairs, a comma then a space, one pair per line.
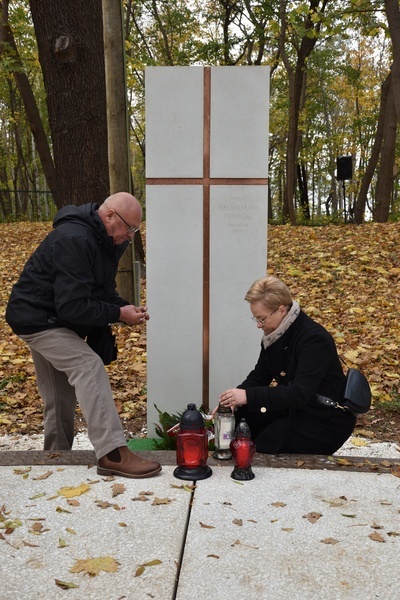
206, 220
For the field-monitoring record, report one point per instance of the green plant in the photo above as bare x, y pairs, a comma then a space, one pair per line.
166, 421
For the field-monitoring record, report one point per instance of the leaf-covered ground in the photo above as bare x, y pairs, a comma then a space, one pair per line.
346, 277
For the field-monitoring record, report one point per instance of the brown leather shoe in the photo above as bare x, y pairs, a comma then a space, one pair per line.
125, 463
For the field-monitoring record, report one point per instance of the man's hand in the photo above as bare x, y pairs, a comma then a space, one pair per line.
133, 315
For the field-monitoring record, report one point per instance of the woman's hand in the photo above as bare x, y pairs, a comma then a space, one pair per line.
233, 398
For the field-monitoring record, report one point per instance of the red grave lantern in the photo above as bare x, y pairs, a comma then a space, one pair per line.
243, 449
192, 447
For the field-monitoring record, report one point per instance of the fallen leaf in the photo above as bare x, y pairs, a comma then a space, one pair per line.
38, 496
117, 489
35, 545
158, 501
237, 522
312, 517
22, 471
278, 504
288, 529
152, 563
44, 476
212, 556
239, 543
376, 537
71, 531
206, 526
60, 509
72, 502
376, 526
141, 568
70, 492
62, 543
93, 566
65, 585
343, 461
37, 528
104, 504
330, 540
359, 442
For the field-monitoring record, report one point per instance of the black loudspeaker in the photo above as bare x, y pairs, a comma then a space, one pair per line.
344, 168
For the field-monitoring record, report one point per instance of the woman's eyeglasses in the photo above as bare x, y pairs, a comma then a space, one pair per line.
262, 321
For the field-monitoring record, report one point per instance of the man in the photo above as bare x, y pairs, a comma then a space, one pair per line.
67, 288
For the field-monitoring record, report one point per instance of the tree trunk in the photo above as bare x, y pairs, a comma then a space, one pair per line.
31, 109
393, 16
384, 186
359, 207
117, 123
297, 82
303, 188
70, 42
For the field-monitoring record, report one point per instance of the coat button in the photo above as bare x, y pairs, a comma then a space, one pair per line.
263, 409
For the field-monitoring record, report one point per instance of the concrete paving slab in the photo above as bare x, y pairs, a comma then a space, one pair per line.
53, 534
295, 534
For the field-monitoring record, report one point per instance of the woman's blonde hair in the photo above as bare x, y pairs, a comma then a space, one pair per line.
271, 291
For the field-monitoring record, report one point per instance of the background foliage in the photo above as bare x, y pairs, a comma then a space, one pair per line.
329, 61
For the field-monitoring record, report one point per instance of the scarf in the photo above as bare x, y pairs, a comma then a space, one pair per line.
291, 316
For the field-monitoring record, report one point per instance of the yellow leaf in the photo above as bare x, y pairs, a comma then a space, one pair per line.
65, 585
70, 492
152, 563
93, 566
352, 355
59, 509
356, 441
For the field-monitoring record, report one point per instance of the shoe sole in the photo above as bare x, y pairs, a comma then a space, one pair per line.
109, 472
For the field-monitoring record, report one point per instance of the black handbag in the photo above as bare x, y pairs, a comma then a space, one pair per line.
356, 397
103, 342
357, 393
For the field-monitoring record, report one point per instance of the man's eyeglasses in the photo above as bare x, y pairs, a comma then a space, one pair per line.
262, 321
131, 228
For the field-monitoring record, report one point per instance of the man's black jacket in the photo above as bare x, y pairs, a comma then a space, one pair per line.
69, 281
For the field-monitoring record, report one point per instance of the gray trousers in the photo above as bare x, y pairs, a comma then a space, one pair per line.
67, 371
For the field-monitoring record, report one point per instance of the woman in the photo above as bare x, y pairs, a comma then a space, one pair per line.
299, 358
